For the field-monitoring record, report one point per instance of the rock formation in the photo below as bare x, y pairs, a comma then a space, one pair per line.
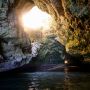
73, 23
51, 52
15, 45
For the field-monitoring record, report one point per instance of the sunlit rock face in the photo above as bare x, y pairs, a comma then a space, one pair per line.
73, 23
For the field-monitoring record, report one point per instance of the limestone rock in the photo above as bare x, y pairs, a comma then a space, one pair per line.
13, 41
51, 52
73, 24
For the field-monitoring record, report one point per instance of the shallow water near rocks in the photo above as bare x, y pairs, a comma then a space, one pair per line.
46, 81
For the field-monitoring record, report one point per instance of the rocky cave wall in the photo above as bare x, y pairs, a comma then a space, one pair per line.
14, 42
73, 23
72, 18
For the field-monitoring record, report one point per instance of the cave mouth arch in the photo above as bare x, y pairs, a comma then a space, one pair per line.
44, 26
35, 19
37, 34
53, 9
57, 15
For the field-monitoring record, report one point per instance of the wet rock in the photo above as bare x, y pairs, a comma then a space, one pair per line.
51, 52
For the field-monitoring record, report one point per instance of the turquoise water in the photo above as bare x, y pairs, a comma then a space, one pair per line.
46, 81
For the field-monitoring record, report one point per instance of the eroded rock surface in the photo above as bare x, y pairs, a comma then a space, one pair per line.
15, 45
51, 52
73, 23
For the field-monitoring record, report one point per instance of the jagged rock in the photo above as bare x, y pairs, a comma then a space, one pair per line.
13, 40
5, 66
35, 48
51, 52
73, 25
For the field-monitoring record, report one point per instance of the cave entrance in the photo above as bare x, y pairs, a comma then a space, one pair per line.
36, 19
19, 21
39, 26
36, 23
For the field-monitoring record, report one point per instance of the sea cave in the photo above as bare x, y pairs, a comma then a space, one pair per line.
44, 32
44, 44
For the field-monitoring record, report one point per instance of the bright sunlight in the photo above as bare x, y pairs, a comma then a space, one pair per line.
36, 19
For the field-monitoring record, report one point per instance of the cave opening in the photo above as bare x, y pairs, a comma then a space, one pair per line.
25, 30
45, 44
36, 22
60, 26
38, 25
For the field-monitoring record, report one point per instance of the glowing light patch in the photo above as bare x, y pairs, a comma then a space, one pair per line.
65, 61
36, 19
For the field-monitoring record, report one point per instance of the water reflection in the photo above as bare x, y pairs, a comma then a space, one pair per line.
46, 81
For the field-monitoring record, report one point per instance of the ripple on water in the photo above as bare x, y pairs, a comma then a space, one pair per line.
46, 81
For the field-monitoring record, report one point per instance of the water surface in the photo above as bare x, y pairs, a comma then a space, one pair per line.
46, 81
